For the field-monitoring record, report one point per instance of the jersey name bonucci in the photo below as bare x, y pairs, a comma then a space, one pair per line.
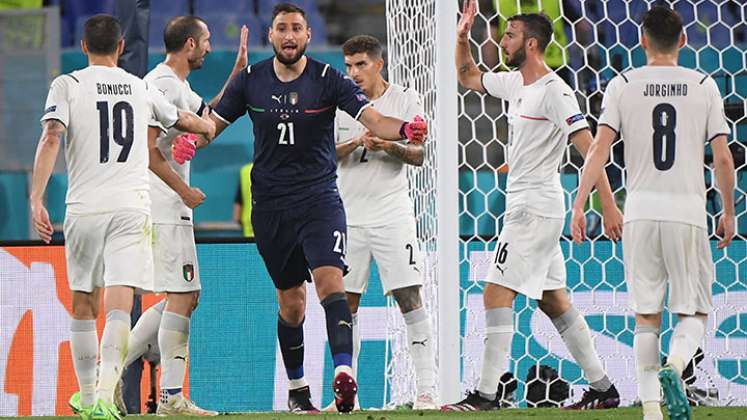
167, 207
373, 185
541, 117
106, 112
664, 115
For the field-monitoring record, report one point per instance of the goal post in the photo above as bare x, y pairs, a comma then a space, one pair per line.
459, 192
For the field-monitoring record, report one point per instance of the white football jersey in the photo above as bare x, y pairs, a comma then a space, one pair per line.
166, 205
373, 185
665, 116
541, 117
107, 112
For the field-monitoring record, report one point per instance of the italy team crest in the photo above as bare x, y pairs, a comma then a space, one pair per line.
188, 271
293, 98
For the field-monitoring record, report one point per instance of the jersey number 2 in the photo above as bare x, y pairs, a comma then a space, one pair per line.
123, 132
286, 130
664, 122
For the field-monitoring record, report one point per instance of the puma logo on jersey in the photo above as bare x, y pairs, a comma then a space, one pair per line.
422, 343
343, 323
499, 269
276, 98
180, 357
417, 270
163, 91
299, 347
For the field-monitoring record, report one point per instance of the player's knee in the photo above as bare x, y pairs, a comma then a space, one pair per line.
408, 298
354, 300
85, 310
497, 296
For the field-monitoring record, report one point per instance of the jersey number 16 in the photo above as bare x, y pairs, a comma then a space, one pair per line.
123, 131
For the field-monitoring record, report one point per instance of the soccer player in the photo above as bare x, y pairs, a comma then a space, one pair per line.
298, 217
381, 220
665, 115
105, 112
543, 115
187, 41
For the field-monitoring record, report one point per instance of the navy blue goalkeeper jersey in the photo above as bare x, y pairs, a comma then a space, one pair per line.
294, 150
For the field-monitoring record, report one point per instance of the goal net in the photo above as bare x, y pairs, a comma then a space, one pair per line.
593, 41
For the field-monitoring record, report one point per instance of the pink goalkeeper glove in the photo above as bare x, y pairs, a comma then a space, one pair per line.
184, 148
415, 131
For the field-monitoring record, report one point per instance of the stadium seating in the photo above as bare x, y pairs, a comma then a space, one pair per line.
169, 7
225, 29
207, 7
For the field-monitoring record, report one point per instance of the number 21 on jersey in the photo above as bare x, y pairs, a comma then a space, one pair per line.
287, 134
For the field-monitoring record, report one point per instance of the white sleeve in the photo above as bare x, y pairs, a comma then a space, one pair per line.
717, 123
57, 106
195, 102
414, 105
610, 114
563, 110
163, 114
501, 85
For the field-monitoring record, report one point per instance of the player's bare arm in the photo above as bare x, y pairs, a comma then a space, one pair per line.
724, 165
191, 123
596, 157
241, 62
390, 128
467, 72
411, 154
192, 197
345, 148
46, 155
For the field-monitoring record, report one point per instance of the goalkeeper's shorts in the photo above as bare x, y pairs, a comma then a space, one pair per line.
527, 257
658, 254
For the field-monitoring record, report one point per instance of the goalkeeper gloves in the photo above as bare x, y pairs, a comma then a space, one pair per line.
415, 131
184, 147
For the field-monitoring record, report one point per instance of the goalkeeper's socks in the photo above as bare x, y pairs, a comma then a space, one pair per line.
688, 334
290, 338
356, 343
339, 328
113, 351
84, 345
145, 331
576, 335
499, 330
173, 340
420, 337
646, 349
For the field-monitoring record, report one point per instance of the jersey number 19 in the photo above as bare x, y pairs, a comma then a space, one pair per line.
123, 132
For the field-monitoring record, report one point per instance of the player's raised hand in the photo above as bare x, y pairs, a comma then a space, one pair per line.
725, 230
193, 197
415, 130
612, 220
42, 225
183, 148
469, 10
578, 224
242, 59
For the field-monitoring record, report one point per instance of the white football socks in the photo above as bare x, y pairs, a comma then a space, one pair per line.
646, 348
499, 331
420, 338
144, 332
688, 334
173, 339
576, 335
84, 345
113, 352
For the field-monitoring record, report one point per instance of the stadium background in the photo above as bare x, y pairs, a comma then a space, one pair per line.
35, 372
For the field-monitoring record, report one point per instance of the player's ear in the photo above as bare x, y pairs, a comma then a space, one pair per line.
644, 40
120, 46
83, 47
683, 40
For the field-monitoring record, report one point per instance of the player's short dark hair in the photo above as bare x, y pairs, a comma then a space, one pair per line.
179, 29
537, 26
287, 8
663, 27
101, 34
363, 44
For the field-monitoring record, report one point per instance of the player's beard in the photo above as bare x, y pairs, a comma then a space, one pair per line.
289, 61
517, 58
197, 61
